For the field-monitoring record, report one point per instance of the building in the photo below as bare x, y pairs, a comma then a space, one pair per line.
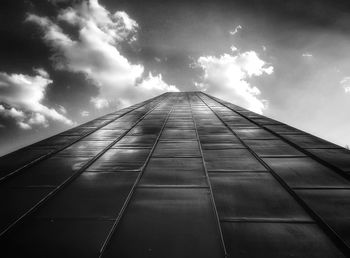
179, 175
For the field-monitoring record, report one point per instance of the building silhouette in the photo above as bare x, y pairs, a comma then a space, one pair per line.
179, 175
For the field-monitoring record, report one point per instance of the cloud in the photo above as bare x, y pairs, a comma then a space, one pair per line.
345, 83
21, 99
233, 48
307, 55
95, 51
156, 83
85, 113
235, 31
99, 103
227, 77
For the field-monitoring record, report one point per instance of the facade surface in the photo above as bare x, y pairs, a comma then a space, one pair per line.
179, 175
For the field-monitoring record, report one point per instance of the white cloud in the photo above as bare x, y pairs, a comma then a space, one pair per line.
235, 31
85, 113
345, 83
307, 55
96, 52
62, 109
155, 83
99, 103
233, 48
227, 77
21, 97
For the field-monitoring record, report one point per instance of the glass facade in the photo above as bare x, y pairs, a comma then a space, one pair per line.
180, 175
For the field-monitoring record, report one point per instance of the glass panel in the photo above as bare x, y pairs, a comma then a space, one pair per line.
102, 135
264, 121
177, 149
213, 130
17, 201
174, 171
50, 172
18, 159
167, 223
120, 159
309, 141
276, 148
188, 124
231, 159
177, 134
253, 195
275, 240
219, 138
333, 206
91, 195
56, 142
283, 129
146, 140
305, 172
339, 158
252, 133
57, 238
84, 148
141, 130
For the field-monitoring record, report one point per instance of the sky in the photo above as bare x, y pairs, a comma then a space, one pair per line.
65, 62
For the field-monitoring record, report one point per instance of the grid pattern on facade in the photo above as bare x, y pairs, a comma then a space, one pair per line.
179, 175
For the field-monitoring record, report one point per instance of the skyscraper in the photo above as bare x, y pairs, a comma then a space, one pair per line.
179, 175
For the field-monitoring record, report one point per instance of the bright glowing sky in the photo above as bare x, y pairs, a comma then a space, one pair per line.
65, 62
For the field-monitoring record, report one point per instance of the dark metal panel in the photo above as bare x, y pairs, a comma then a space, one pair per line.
56, 238
84, 148
305, 172
178, 134
221, 146
253, 195
277, 240
118, 125
96, 123
219, 138
50, 172
20, 158
167, 223
339, 158
55, 142
333, 206
120, 159
221, 129
185, 124
263, 120
174, 172
141, 130
254, 134
283, 129
80, 131
146, 140
91, 195
102, 135
231, 159
177, 149
309, 141
151, 122
276, 148
14, 202
236, 122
